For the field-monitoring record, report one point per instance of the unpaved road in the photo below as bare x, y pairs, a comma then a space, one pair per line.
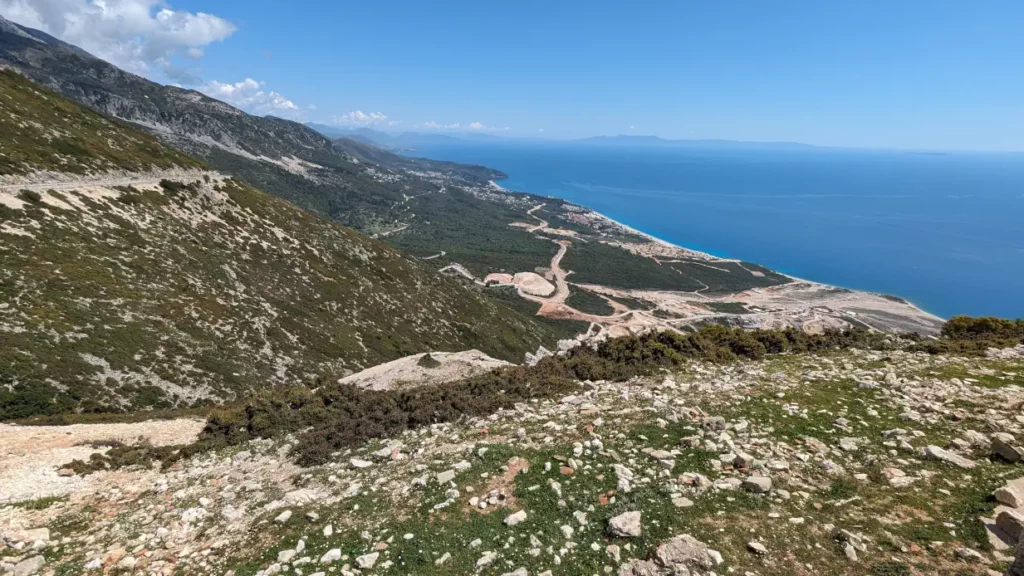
31, 455
143, 180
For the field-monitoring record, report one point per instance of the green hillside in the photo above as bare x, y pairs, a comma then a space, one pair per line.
194, 288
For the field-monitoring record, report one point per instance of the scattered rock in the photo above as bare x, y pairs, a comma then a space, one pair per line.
758, 484
757, 548
1005, 446
367, 561
932, 452
29, 566
625, 525
515, 518
1011, 522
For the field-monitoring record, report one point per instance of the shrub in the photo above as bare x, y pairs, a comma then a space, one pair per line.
172, 187
427, 361
30, 196
983, 328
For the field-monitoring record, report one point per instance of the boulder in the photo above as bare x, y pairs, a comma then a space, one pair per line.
516, 518
637, 567
29, 566
1006, 446
1011, 522
935, 453
367, 561
1017, 569
1010, 495
625, 525
684, 551
758, 484
332, 555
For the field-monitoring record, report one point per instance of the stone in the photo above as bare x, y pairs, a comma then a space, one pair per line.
286, 555
515, 518
757, 548
34, 535
446, 476
29, 566
367, 561
486, 559
968, 555
1017, 569
682, 502
65, 472
933, 452
684, 551
758, 484
636, 567
1011, 522
1005, 446
850, 551
1010, 495
283, 517
358, 463
332, 555
625, 525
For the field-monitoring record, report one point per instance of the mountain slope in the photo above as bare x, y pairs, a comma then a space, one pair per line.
346, 180
186, 286
454, 218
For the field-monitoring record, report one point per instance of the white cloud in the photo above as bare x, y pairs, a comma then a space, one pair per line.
632, 127
540, 129
141, 36
431, 125
456, 126
359, 118
250, 96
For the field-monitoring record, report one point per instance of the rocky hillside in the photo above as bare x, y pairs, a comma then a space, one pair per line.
131, 278
347, 181
840, 462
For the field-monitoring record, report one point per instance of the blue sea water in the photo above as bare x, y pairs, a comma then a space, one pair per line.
944, 230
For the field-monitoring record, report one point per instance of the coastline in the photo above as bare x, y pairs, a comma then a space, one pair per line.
709, 255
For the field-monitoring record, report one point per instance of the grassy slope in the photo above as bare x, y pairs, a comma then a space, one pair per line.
197, 290
43, 131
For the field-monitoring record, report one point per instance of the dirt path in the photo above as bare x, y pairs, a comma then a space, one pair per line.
622, 322
31, 455
145, 180
543, 223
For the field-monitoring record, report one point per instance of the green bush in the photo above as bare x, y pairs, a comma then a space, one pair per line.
983, 328
30, 196
427, 361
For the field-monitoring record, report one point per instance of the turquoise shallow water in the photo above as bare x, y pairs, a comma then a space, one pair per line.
945, 231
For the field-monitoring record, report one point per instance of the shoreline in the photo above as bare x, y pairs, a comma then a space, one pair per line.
709, 255
720, 259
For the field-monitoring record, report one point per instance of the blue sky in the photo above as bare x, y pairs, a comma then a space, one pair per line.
906, 74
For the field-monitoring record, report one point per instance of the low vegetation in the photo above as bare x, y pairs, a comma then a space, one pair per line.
589, 302
43, 131
329, 416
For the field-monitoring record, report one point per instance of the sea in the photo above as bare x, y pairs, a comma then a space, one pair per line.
943, 230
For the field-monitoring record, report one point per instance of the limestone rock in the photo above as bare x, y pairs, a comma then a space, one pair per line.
1005, 446
625, 525
684, 551
932, 452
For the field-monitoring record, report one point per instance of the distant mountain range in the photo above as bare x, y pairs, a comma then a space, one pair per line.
409, 140
655, 141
